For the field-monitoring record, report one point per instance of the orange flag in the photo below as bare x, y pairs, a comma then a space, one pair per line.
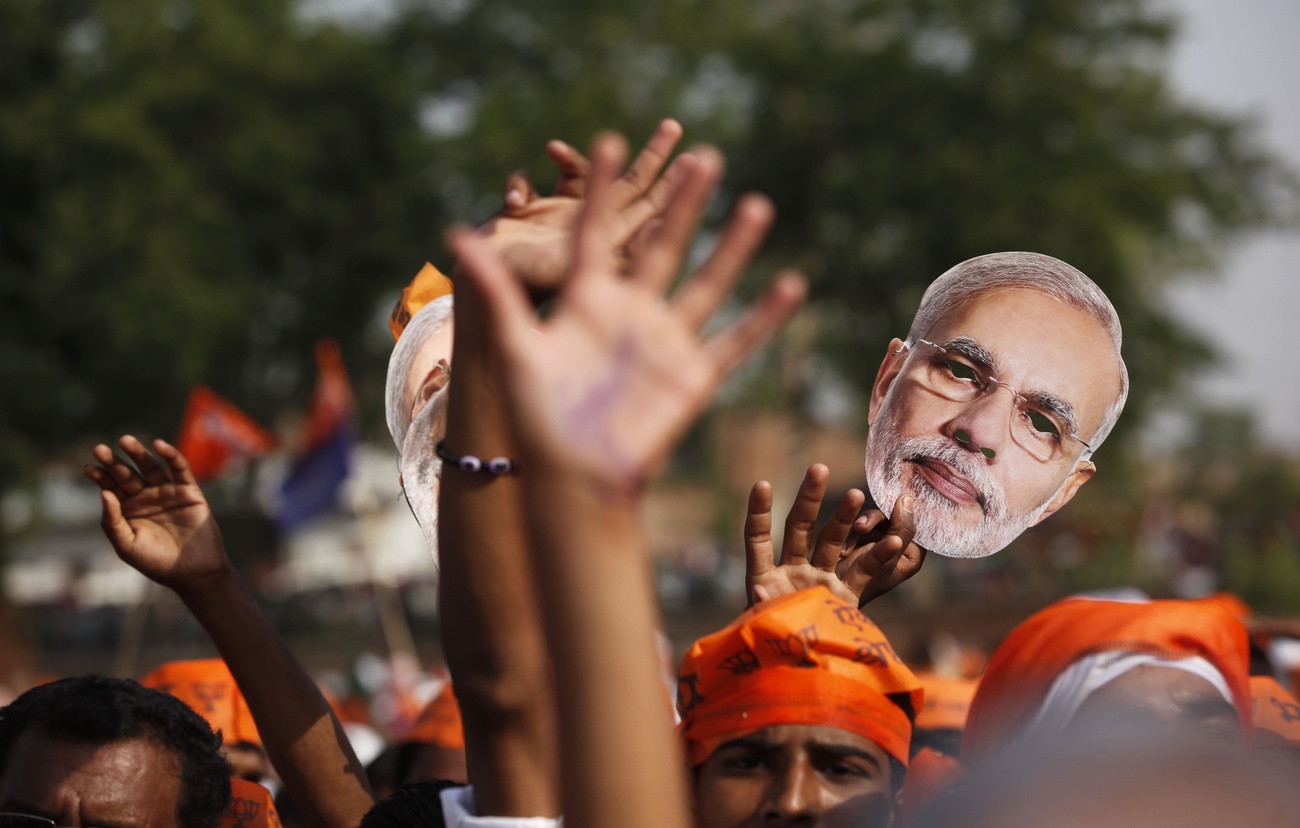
332, 403
215, 434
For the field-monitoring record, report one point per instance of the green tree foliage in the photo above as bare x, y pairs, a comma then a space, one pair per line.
192, 193
195, 191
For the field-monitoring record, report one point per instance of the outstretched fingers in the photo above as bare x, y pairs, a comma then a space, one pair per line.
574, 169
759, 555
642, 173
832, 537
176, 463
126, 479
799, 523
150, 469
734, 345
598, 239
701, 170
699, 298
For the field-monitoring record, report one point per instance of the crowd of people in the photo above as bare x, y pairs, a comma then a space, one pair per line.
581, 359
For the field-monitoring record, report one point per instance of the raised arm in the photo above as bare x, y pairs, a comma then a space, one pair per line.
159, 522
491, 626
599, 394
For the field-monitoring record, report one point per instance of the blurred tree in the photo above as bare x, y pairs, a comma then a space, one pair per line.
897, 137
192, 192
199, 190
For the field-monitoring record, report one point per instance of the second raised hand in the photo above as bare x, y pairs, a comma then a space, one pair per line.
533, 234
614, 376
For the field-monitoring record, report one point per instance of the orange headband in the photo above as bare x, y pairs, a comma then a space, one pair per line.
207, 686
1276, 713
1028, 661
428, 284
947, 702
250, 807
806, 658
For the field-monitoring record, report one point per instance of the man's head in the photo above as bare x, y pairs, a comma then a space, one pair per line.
103, 751
415, 404
1082, 666
798, 711
988, 415
208, 687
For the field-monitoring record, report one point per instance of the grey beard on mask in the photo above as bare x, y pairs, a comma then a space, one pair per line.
940, 527
421, 467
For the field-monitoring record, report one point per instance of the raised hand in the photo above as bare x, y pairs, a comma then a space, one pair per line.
533, 234
857, 557
156, 516
610, 381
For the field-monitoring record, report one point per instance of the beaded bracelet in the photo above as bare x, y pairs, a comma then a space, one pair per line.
496, 466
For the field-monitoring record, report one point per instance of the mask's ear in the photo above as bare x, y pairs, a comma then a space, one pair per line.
1082, 474
890, 367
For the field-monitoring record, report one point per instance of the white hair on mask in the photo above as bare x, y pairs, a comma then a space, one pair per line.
424, 324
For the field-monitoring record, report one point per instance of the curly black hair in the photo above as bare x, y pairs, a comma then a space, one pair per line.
103, 710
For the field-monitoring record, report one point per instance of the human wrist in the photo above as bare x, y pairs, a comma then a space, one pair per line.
212, 589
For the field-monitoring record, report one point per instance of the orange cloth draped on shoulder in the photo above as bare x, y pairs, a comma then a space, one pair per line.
428, 284
1023, 669
439, 723
251, 806
207, 686
947, 702
1276, 713
802, 659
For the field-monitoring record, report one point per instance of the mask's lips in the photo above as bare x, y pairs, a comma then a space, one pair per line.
948, 482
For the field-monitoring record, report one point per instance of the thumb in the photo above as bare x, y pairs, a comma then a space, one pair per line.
116, 527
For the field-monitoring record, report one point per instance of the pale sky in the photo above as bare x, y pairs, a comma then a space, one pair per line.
1241, 57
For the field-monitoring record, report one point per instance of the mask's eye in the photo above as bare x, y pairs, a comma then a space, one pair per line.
961, 370
1041, 424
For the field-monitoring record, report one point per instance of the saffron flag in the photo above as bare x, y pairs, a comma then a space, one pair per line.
215, 434
316, 476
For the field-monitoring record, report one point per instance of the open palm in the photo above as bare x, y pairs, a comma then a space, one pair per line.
155, 515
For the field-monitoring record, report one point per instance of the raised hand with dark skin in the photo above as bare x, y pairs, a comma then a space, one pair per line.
159, 523
599, 393
858, 557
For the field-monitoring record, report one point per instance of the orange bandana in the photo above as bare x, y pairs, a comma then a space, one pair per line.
428, 284
207, 686
439, 723
947, 702
1024, 667
1276, 713
801, 659
250, 807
